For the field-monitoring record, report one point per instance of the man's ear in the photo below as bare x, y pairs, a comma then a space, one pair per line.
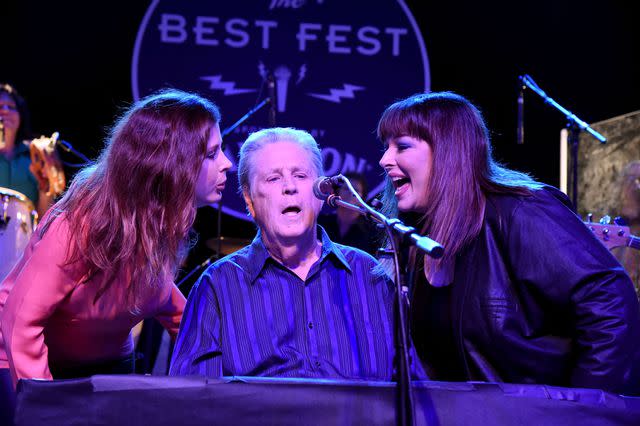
247, 200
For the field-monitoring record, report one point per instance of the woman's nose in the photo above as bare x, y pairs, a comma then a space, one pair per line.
386, 160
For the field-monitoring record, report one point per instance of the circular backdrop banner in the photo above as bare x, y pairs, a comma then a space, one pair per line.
333, 65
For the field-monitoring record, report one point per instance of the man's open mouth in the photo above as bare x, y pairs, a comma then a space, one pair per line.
291, 210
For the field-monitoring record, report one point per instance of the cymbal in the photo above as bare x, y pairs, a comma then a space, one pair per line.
228, 245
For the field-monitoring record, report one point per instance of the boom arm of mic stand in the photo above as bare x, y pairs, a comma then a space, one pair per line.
207, 262
69, 148
528, 82
244, 118
406, 233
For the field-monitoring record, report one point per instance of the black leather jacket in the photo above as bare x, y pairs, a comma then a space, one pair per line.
537, 299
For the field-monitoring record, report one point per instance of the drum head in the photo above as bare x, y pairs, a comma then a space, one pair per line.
17, 195
17, 220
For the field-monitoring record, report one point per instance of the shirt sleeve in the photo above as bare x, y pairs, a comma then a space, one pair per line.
37, 286
555, 253
170, 314
198, 349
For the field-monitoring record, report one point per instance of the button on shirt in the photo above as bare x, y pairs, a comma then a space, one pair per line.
249, 315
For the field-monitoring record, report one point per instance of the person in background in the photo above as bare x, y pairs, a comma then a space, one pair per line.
349, 227
14, 153
105, 256
524, 292
629, 257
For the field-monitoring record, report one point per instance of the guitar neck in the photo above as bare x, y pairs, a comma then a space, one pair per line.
613, 235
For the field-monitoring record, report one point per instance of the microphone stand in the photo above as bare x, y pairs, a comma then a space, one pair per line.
268, 100
204, 264
66, 146
398, 234
574, 124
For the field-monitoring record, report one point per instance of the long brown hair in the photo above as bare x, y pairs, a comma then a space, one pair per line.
130, 213
463, 170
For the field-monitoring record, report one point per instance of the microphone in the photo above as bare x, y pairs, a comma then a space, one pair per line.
271, 90
520, 131
324, 187
3, 142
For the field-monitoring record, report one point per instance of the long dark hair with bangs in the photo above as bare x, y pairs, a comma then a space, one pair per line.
24, 131
463, 170
130, 213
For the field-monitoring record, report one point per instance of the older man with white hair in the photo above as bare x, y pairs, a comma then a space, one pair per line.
292, 303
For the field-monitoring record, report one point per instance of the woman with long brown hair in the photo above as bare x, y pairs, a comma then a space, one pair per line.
105, 256
524, 292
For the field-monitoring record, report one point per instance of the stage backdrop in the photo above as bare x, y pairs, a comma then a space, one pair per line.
331, 61
600, 166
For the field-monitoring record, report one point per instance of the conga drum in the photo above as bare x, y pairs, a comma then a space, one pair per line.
18, 220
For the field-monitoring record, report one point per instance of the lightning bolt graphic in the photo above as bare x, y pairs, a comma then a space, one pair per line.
335, 95
216, 83
302, 72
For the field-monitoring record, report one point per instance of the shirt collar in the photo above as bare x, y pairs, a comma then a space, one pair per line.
329, 247
258, 255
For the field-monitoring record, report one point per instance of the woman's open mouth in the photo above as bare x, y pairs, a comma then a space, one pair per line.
401, 185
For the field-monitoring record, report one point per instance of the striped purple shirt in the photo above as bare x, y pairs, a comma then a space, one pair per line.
248, 315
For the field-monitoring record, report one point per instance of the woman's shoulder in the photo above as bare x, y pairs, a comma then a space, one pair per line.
53, 222
541, 205
545, 196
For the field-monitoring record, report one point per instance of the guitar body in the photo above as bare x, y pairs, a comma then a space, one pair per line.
46, 165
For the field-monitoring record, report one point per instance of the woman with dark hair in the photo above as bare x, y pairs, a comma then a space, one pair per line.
524, 292
15, 129
105, 256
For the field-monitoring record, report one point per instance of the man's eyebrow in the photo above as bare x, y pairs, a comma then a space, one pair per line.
293, 169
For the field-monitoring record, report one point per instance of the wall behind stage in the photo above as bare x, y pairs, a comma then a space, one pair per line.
73, 64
